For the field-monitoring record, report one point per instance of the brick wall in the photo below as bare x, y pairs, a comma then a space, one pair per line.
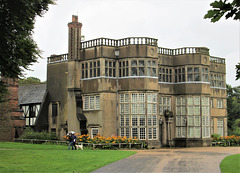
11, 120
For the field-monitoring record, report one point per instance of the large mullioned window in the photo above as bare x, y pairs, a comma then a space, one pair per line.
138, 67
180, 74
181, 117
192, 117
205, 117
220, 126
138, 115
217, 80
110, 68
152, 115
164, 104
193, 74
165, 74
90, 69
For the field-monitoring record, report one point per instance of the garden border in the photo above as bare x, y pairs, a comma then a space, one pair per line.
37, 141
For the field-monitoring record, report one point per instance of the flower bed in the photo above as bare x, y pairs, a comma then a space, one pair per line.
110, 142
226, 141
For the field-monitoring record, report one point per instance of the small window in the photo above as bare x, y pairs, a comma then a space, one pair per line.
95, 132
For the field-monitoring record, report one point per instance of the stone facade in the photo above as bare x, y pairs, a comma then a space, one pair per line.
131, 87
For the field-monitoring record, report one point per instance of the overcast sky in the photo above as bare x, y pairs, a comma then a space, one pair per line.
175, 23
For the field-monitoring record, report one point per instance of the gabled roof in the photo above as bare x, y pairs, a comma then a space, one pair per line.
29, 94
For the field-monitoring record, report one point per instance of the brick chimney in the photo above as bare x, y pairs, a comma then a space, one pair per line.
74, 38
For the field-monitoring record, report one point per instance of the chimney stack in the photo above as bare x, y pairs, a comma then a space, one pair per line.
74, 38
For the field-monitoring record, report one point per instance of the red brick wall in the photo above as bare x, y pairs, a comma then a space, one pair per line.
11, 122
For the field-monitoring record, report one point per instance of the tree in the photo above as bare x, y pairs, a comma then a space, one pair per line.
238, 71
18, 49
221, 8
233, 107
3, 92
29, 81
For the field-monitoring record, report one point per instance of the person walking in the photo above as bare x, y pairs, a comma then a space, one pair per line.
74, 141
70, 141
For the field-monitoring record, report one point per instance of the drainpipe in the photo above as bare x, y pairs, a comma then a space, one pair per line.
117, 84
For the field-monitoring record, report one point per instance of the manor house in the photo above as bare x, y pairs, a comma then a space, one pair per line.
131, 87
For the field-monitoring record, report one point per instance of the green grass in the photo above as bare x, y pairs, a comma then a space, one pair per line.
230, 164
20, 157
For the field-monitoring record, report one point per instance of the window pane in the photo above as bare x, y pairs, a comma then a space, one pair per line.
126, 108
190, 110
142, 120
134, 120
190, 132
149, 108
190, 121
190, 101
141, 63
134, 71
197, 121
141, 71
126, 98
97, 102
154, 108
134, 109
154, 98
197, 132
121, 120
121, 98
142, 133
149, 133
141, 97
126, 120
149, 120
134, 98
149, 98
154, 73
141, 108
196, 100
134, 132
91, 102
86, 103
154, 120
121, 108
149, 71
133, 63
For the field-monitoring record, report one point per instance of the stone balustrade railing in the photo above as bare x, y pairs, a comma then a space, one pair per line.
217, 60
57, 58
184, 50
119, 43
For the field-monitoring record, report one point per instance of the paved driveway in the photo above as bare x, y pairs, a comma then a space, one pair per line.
204, 159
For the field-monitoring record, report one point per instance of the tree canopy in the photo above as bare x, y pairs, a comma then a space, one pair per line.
230, 10
233, 109
18, 49
29, 81
221, 8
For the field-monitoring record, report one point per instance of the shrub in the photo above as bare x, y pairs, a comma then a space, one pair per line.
29, 133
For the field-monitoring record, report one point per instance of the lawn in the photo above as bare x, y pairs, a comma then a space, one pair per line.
230, 164
20, 157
